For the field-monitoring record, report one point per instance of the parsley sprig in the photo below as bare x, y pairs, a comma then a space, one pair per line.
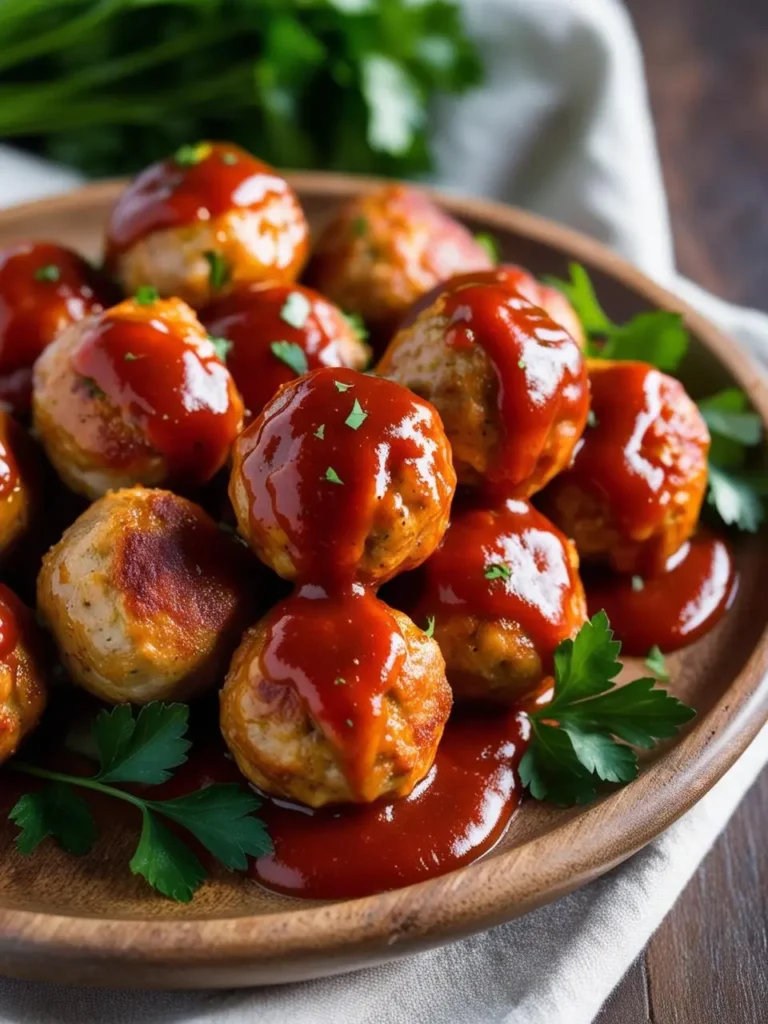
582, 736
144, 750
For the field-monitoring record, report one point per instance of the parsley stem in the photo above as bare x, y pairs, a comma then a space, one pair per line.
77, 780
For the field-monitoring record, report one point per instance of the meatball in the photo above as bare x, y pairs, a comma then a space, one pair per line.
22, 674
501, 592
43, 289
634, 491
280, 331
138, 394
343, 476
384, 249
146, 597
206, 219
335, 700
509, 383
509, 275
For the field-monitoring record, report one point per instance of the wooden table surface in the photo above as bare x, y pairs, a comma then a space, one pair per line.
707, 64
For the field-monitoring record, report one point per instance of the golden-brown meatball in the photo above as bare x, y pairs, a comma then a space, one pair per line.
20, 496
509, 383
22, 675
278, 332
138, 394
335, 700
384, 249
509, 275
343, 476
634, 491
207, 219
146, 597
502, 591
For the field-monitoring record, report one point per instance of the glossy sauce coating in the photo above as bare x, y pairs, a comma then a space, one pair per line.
10, 479
341, 665
328, 454
10, 610
174, 194
675, 608
253, 318
43, 289
167, 380
542, 376
533, 582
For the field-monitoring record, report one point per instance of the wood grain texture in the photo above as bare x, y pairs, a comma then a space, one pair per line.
87, 920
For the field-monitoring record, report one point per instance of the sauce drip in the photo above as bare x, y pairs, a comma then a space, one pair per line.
675, 608
648, 442
171, 384
341, 655
542, 591
311, 475
252, 320
542, 376
454, 816
43, 289
225, 178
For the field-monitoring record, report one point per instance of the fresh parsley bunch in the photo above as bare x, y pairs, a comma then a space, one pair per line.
143, 751
660, 338
337, 84
581, 738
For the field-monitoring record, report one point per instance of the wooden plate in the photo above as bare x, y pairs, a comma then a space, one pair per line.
89, 921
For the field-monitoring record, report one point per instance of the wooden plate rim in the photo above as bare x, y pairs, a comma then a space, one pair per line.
492, 890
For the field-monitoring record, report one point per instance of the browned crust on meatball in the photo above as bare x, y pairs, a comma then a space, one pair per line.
23, 693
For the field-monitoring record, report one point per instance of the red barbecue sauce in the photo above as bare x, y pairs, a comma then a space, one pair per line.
12, 612
675, 608
11, 437
253, 318
43, 289
170, 383
542, 375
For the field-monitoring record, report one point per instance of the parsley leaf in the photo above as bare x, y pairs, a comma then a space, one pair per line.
357, 324
188, 156
736, 499
223, 347
292, 355
490, 244
655, 663
296, 309
497, 571
332, 476
728, 416
658, 337
357, 417
145, 295
575, 738
50, 272
166, 862
340, 386
430, 630
57, 811
219, 270
142, 749
320, 432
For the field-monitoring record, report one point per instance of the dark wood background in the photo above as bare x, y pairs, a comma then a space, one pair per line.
707, 64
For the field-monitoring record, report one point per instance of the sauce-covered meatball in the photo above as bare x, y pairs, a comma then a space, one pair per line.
278, 332
20, 484
384, 249
146, 597
343, 476
519, 280
43, 289
207, 219
634, 491
22, 679
335, 700
138, 394
509, 383
503, 590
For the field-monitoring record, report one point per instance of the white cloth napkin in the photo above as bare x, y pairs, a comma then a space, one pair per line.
562, 127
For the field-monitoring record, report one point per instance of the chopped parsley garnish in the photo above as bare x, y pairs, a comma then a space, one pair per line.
143, 751
357, 324
360, 226
497, 571
145, 295
489, 243
219, 270
338, 681
320, 432
296, 309
332, 476
521, 364
655, 663
50, 272
638, 584
357, 417
582, 736
350, 723
341, 387
592, 420
92, 388
188, 156
657, 337
430, 630
229, 158
223, 347
292, 355
129, 357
